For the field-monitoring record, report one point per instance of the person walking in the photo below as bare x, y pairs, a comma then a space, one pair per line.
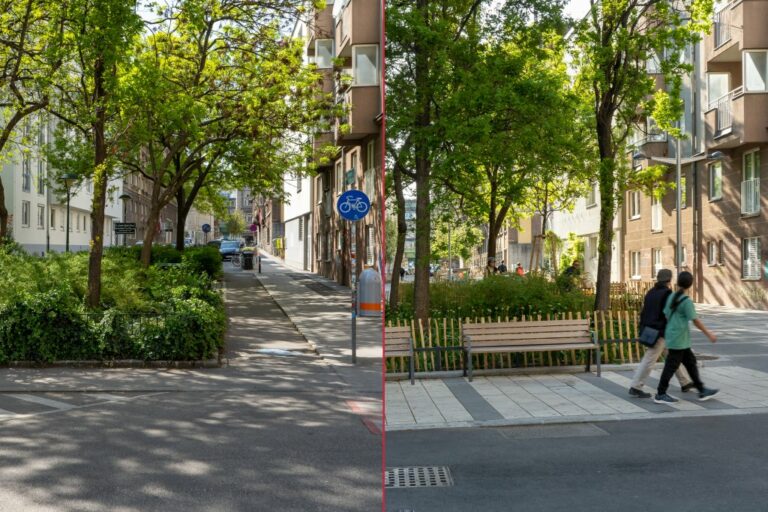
652, 316
680, 310
502, 269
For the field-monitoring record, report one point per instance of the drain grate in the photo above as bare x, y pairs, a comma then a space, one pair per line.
419, 476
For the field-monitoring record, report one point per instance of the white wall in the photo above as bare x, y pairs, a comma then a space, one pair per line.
298, 204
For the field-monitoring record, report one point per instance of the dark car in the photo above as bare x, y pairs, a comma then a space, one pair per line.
229, 248
215, 243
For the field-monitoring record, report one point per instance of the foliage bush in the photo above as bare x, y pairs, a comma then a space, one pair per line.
203, 259
500, 295
155, 313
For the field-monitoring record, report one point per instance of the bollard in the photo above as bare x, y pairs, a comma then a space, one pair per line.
259, 263
354, 325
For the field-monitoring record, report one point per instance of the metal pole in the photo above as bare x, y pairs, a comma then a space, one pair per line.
67, 242
354, 323
678, 181
125, 233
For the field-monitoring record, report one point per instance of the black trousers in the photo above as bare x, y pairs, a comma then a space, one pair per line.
672, 363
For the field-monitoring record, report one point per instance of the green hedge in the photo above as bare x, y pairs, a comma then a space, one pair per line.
151, 314
500, 295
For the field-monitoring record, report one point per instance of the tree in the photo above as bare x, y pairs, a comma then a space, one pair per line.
235, 224
214, 94
611, 48
31, 52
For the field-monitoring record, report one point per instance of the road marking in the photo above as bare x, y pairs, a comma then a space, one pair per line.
55, 404
111, 398
369, 412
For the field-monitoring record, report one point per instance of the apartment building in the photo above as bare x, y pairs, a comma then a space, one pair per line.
139, 190
36, 199
724, 206
344, 42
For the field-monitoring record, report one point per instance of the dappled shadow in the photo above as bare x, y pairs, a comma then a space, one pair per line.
193, 451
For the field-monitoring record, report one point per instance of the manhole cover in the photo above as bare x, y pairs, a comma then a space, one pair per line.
419, 476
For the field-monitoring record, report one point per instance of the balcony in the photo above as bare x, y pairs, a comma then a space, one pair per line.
750, 197
321, 24
357, 23
362, 111
736, 119
738, 25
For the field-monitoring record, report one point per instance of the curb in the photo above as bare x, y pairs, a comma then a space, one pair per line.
120, 363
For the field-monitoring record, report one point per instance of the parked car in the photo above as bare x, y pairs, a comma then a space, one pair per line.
215, 243
228, 248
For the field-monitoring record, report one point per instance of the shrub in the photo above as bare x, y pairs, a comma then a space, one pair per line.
164, 254
192, 329
506, 295
45, 327
203, 259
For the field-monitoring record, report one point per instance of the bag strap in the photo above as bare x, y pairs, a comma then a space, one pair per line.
679, 298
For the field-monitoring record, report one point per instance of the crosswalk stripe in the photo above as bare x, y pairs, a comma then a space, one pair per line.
55, 404
107, 396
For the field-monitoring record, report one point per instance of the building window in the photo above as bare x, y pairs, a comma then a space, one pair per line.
370, 155
720, 253
657, 261
365, 64
41, 177
26, 173
324, 53
634, 205
634, 260
339, 178
750, 258
25, 206
40, 216
683, 192
712, 258
715, 181
750, 185
301, 228
756, 71
592, 195
77, 219
53, 219
327, 246
656, 215
369, 245
655, 134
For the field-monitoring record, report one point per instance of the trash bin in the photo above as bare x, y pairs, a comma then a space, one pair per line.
247, 260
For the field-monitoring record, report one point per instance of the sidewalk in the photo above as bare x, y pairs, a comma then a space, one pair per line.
320, 310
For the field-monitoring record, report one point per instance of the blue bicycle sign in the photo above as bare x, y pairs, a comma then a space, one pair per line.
353, 205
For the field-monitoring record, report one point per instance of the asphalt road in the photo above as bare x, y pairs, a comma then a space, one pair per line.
265, 433
688, 464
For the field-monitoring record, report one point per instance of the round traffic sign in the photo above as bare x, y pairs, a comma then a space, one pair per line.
353, 205
206, 228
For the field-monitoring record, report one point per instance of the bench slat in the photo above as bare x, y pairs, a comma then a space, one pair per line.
575, 340
531, 348
517, 336
512, 329
560, 323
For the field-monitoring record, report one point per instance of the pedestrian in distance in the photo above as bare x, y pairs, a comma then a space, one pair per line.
502, 268
574, 269
679, 312
519, 270
652, 323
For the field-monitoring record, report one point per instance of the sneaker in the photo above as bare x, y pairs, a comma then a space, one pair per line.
706, 394
665, 399
688, 387
638, 393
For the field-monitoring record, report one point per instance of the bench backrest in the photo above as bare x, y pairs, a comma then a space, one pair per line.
543, 332
397, 339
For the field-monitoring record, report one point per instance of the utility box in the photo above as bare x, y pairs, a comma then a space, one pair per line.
369, 293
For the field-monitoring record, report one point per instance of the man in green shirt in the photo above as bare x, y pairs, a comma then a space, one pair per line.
680, 310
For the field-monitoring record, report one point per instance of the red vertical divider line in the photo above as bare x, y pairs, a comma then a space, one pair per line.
383, 252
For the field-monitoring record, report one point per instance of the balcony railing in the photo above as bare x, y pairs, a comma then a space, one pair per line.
723, 26
724, 114
750, 196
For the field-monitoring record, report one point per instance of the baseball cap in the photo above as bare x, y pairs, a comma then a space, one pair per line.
664, 275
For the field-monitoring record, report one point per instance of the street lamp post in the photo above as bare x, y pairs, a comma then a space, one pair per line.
679, 161
125, 198
69, 180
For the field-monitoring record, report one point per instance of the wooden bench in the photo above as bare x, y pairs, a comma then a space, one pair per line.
539, 336
398, 343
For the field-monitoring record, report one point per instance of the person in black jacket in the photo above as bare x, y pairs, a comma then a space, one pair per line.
652, 315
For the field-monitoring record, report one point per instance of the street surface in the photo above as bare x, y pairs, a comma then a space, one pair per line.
277, 428
551, 441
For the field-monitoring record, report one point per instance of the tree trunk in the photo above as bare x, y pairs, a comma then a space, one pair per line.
423, 171
607, 210
3, 214
153, 220
402, 231
99, 188
181, 219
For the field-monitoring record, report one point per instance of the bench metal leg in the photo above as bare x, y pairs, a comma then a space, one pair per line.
469, 364
597, 359
411, 371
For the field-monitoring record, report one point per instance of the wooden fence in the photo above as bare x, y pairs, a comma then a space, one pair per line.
438, 343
